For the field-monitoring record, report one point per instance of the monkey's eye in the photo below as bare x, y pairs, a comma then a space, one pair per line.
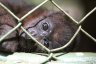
45, 26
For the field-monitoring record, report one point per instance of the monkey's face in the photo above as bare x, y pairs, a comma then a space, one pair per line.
53, 31
42, 29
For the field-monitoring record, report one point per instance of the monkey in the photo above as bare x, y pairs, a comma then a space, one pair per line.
51, 29
52, 37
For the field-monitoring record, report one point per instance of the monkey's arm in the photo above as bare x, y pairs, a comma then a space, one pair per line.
7, 22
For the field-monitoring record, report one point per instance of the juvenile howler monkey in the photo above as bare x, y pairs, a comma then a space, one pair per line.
52, 29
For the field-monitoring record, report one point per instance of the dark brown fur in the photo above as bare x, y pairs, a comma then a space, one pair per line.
62, 28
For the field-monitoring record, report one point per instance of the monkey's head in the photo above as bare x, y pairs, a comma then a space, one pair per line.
52, 30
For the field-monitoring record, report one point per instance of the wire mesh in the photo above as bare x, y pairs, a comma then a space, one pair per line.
51, 54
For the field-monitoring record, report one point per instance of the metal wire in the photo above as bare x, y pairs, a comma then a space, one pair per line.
48, 50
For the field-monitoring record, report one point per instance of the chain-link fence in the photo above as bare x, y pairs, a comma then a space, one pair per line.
50, 55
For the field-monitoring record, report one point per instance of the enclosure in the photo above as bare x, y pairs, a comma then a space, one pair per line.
85, 20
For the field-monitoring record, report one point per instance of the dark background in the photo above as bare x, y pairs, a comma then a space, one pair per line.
89, 25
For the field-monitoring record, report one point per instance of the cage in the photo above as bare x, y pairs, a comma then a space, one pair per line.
82, 13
